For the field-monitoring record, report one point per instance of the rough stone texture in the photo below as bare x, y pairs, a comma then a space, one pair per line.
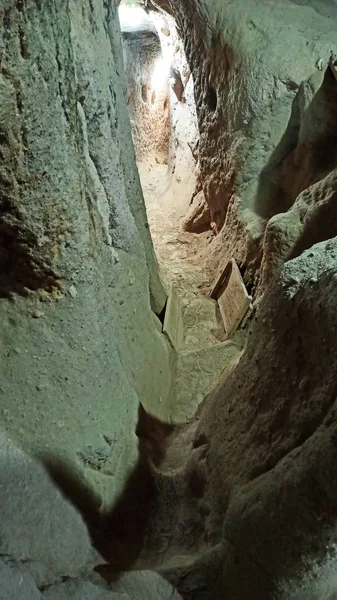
15, 585
80, 590
197, 219
319, 582
161, 102
200, 356
79, 347
148, 100
184, 133
299, 180
37, 524
44, 543
244, 504
262, 459
144, 584
197, 373
141, 585
264, 118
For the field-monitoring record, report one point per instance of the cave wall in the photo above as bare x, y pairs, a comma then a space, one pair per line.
260, 473
184, 132
148, 99
79, 343
80, 346
255, 485
256, 69
269, 436
162, 109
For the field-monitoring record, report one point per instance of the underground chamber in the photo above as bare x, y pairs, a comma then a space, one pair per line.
167, 297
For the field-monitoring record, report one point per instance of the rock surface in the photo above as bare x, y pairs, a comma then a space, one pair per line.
80, 590
265, 114
44, 543
256, 477
148, 101
15, 585
37, 524
241, 501
144, 584
79, 348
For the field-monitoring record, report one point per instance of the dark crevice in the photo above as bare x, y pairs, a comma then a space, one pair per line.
60, 84
161, 315
7, 18
145, 89
282, 180
21, 5
211, 98
21, 269
24, 49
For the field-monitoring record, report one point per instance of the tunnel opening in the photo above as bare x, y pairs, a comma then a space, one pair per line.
166, 137
178, 209
138, 444
147, 80
165, 133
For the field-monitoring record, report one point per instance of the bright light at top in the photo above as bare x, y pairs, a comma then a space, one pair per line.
160, 72
132, 17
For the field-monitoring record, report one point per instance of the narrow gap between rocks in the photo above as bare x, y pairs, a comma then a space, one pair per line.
161, 103
150, 448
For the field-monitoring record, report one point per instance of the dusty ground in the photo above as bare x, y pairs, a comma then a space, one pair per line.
179, 252
204, 355
240, 506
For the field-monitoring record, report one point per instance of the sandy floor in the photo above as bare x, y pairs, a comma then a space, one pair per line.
204, 355
178, 254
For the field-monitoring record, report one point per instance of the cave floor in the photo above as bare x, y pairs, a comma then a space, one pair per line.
178, 255
204, 354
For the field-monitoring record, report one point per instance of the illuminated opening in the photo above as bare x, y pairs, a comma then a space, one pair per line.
132, 16
160, 73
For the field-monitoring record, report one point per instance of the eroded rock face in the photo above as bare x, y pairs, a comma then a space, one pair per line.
14, 584
161, 105
39, 529
246, 496
184, 132
45, 546
259, 88
258, 488
277, 416
304, 183
79, 346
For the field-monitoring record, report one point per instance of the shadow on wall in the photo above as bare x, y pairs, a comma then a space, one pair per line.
22, 264
307, 151
118, 535
297, 191
218, 171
